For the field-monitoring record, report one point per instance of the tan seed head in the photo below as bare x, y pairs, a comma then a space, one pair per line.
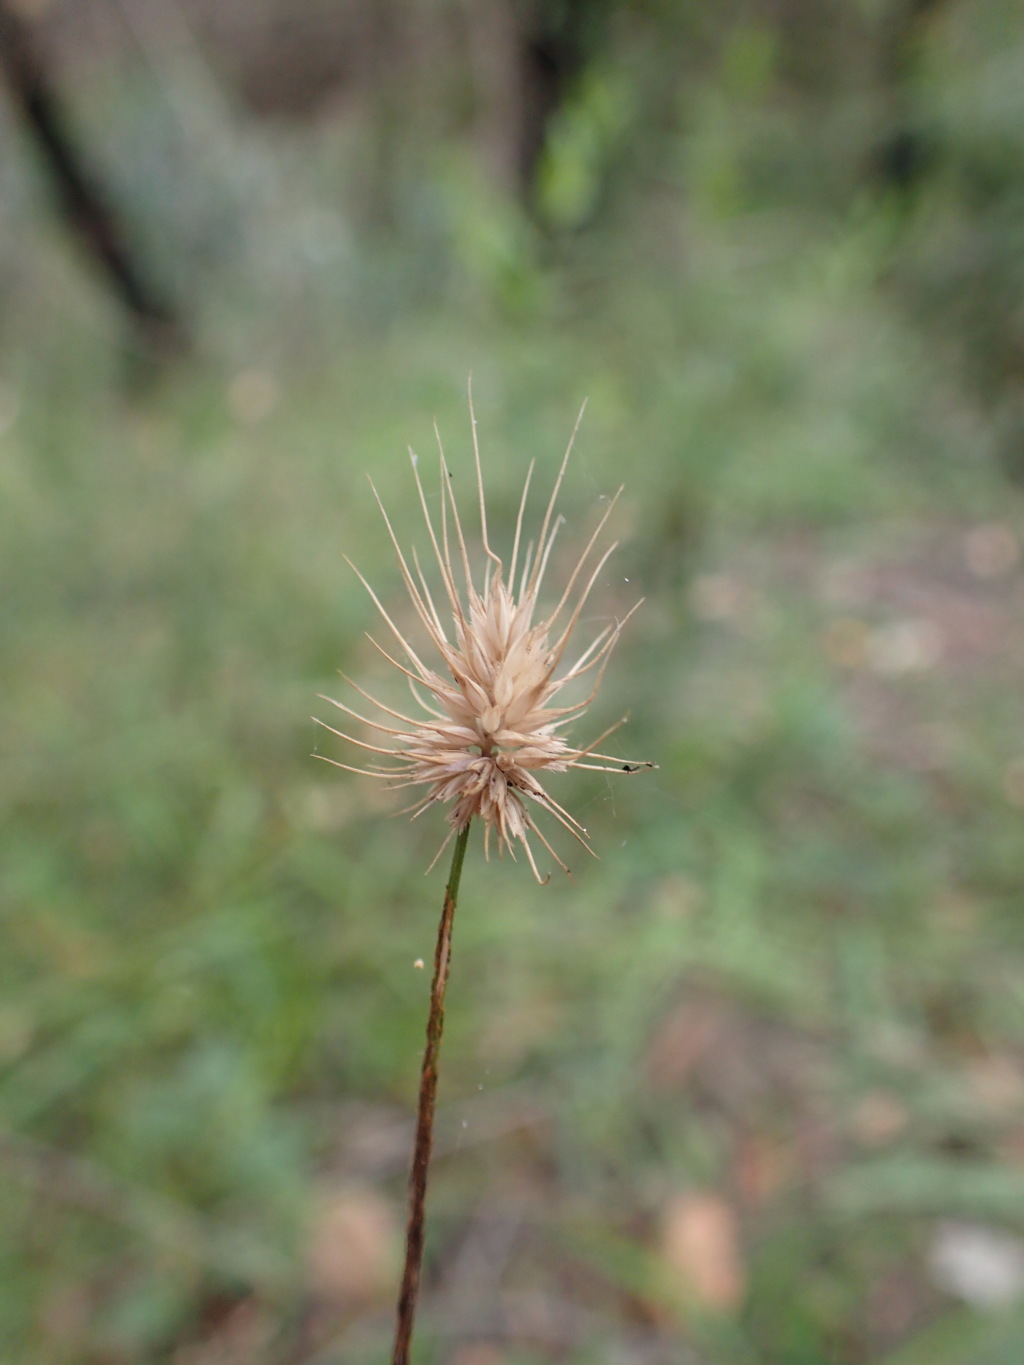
489, 725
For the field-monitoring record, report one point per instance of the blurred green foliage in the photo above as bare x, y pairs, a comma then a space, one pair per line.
777, 1030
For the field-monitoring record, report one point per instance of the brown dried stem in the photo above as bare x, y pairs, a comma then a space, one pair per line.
409, 1292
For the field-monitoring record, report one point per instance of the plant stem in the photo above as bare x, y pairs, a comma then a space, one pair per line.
425, 1112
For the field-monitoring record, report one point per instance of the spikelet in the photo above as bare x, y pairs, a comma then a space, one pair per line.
489, 728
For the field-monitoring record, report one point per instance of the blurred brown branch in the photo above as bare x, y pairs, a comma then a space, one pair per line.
85, 207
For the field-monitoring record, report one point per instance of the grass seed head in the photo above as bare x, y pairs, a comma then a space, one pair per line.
490, 725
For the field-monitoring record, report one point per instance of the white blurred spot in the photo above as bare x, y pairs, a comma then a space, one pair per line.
418, 963
981, 1265
910, 646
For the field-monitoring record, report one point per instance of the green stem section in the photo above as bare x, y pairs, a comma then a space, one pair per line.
409, 1292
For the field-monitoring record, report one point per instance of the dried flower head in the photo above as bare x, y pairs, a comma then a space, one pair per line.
489, 727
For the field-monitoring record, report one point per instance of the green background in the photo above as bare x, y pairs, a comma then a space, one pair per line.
748, 1090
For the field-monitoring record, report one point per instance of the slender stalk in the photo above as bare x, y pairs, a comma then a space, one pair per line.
409, 1292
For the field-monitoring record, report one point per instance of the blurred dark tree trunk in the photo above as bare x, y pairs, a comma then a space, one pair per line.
904, 154
528, 55
87, 210
556, 41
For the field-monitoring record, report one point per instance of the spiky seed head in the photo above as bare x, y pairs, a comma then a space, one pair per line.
489, 726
